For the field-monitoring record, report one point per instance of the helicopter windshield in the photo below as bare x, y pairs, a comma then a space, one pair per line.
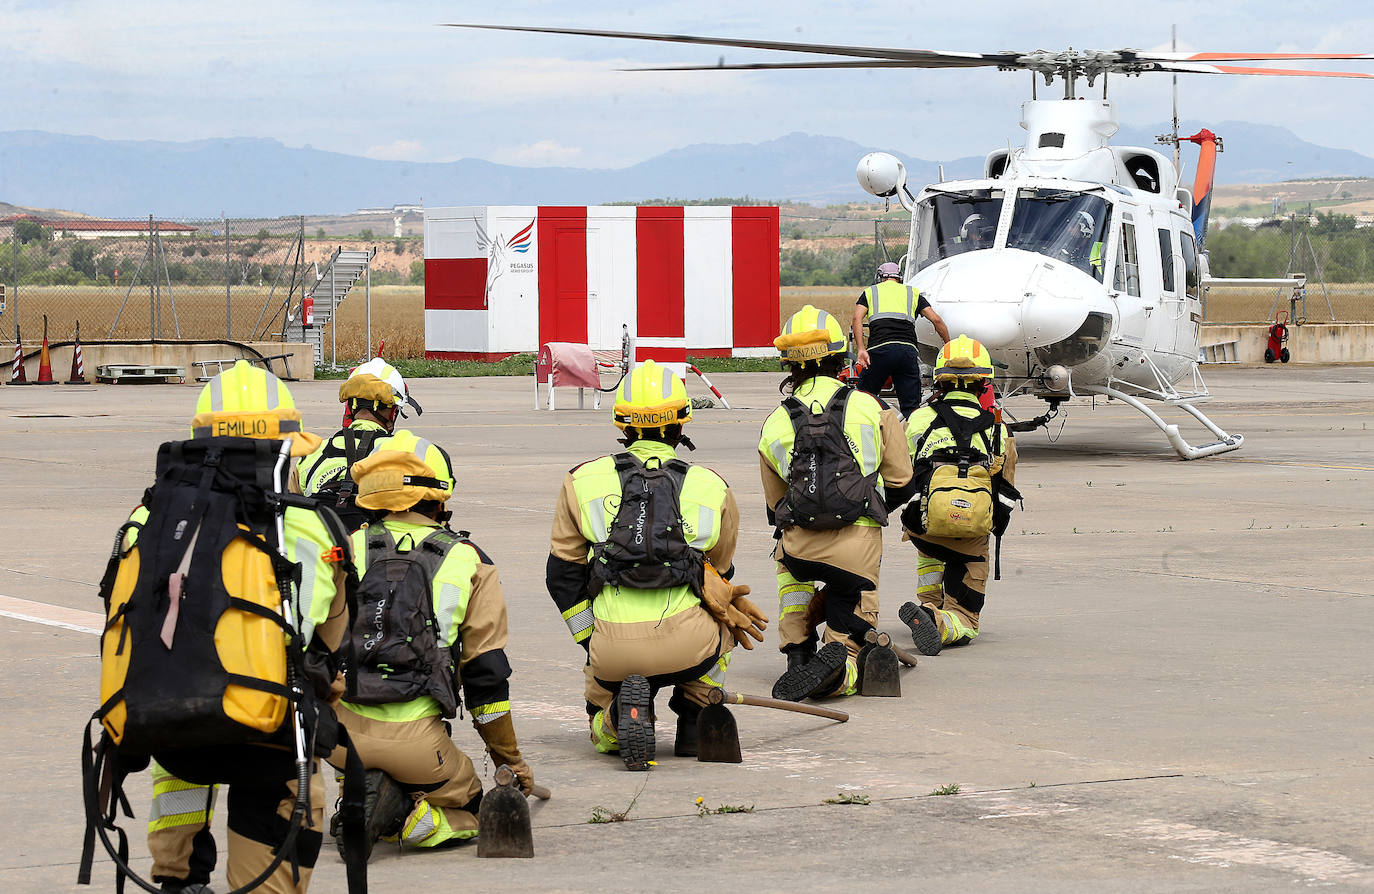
1065, 225
950, 223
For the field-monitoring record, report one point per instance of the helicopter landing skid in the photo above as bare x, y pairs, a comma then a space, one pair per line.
1224, 444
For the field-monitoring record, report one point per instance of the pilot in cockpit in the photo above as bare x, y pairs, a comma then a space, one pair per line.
1080, 249
975, 233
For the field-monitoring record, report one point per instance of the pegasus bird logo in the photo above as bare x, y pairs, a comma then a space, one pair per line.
500, 249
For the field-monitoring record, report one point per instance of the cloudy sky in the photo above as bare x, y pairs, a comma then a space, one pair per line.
380, 79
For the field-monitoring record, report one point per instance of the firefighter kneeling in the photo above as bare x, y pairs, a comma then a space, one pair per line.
965, 462
637, 540
431, 615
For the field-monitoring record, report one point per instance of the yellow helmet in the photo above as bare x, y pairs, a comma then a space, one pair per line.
246, 401
810, 334
963, 358
403, 470
651, 396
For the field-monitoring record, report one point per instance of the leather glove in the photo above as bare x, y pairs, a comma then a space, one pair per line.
524, 776
746, 620
727, 604
499, 735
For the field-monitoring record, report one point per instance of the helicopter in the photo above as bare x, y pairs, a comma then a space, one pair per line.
1081, 264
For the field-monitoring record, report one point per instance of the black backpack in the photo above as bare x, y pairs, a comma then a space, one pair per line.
395, 634
340, 491
826, 488
197, 655
646, 547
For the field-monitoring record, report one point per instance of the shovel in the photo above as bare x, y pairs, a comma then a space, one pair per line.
503, 820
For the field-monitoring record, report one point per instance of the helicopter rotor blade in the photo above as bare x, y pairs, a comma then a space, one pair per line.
857, 64
1250, 57
954, 59
1187, 68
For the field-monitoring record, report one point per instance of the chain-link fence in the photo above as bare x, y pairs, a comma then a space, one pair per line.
151, 279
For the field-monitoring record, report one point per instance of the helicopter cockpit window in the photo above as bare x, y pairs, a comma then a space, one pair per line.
1194, 281
949, 224
1065, 225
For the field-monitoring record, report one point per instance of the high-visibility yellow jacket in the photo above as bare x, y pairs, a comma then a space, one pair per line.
587, 507
469, 607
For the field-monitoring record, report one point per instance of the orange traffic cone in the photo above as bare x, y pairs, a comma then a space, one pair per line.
78, 376
17, 376
44, 363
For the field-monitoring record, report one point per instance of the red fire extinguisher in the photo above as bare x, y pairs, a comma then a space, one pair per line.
1278, 335
308, 310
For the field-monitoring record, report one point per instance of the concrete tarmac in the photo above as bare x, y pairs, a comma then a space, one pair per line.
1171, 693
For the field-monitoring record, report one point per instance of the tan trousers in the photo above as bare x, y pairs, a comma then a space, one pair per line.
793, 627
421, 757
247, 857
687, 640
952, 575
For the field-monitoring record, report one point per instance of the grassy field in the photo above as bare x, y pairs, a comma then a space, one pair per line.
398, 312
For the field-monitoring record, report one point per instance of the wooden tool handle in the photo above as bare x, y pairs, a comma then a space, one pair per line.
881, 640
719, 696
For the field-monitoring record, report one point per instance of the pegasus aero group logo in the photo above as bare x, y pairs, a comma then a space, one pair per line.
500, 252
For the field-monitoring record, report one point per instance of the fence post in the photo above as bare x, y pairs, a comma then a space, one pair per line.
228, 327
153, 330
14, 240
333, 321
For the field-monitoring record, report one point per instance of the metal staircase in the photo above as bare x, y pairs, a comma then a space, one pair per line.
343, 270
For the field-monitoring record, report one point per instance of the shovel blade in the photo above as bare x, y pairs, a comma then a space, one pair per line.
503, 824
717, 736
880, 673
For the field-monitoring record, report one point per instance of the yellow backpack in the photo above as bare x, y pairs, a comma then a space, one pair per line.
958, 497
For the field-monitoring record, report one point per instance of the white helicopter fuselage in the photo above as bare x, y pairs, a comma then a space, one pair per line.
1035, 310
1073, 261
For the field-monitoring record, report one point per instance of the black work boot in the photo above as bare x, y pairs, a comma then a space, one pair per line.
685, 745
925, 633
634, 724
385, 807
799, 654
815, 677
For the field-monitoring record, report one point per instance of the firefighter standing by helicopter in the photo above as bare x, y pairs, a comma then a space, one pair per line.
892, 309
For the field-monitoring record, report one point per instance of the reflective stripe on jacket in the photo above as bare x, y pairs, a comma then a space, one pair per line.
890, 300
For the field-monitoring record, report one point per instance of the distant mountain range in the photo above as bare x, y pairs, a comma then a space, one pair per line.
262, 177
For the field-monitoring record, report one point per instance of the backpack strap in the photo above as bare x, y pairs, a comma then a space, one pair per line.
962, 428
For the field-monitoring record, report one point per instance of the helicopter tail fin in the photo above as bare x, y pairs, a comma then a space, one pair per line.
1208, 146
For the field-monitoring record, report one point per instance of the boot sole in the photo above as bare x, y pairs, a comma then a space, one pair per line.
925, 633
799, 683
635, 723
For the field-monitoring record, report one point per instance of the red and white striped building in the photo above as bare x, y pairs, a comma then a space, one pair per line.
698, 280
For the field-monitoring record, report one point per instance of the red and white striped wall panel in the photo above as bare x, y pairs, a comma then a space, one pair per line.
700, 281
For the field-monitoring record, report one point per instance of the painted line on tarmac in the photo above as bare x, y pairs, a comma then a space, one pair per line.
51, 615
1250, 583
1289, 462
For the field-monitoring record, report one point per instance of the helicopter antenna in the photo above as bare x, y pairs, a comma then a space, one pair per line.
1173, 46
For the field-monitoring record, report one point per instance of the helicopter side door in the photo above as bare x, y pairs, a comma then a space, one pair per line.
1190, 322
1133, 310
1172, 298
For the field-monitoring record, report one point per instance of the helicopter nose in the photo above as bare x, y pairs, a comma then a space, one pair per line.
992, 323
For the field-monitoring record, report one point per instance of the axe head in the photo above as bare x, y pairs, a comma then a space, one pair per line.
717, 736
878, 672
503, 820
